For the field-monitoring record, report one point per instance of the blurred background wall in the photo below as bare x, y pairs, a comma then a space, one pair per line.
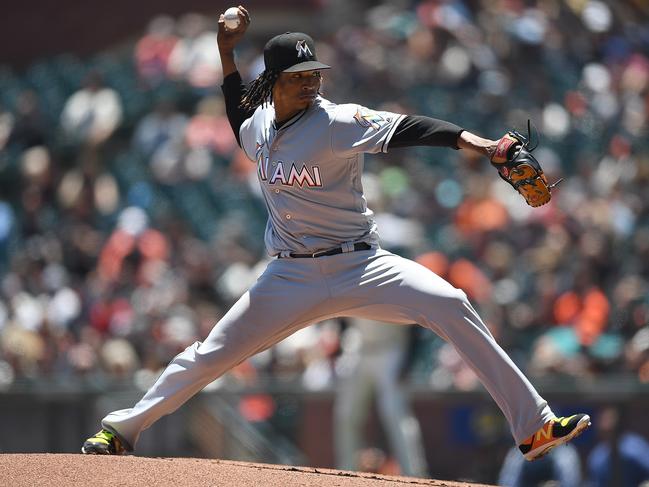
33, 30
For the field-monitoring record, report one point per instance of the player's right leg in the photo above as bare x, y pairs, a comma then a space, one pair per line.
286, 298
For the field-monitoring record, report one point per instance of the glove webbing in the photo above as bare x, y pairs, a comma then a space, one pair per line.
525, 142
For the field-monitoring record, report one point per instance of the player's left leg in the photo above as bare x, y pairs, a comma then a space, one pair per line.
381, 285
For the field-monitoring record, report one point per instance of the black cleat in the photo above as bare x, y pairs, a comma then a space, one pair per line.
103, 443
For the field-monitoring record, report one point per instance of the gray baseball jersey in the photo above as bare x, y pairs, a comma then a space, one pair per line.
310, 173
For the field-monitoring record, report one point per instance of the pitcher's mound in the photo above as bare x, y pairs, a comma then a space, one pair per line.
67, 470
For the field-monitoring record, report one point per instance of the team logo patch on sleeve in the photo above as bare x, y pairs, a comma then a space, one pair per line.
368, 118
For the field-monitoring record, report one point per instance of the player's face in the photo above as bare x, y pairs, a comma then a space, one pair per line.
295, 91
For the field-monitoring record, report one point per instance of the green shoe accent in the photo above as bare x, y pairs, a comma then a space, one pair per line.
103, 442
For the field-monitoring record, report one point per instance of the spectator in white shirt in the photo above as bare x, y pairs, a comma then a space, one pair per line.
92, 114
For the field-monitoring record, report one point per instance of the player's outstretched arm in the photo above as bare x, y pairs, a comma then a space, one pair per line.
511, 154
475, 143
419, 130
227, 40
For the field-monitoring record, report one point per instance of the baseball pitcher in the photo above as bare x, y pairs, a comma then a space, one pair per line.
328, 259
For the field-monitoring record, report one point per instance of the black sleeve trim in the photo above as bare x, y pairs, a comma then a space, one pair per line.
417, 130
233, 91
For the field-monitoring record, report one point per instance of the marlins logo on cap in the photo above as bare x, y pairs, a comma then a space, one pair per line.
303, 50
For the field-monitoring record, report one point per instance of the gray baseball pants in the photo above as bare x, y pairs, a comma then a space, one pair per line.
373, 284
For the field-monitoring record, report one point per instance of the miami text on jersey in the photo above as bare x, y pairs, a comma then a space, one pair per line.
289, 175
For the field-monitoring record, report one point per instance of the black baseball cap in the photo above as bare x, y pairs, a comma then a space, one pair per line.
291, 52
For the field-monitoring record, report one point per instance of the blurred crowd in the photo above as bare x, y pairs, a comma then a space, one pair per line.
130, 220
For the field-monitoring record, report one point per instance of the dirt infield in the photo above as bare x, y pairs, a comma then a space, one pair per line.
65, 470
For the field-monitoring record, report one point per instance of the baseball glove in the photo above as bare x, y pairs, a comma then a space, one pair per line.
515, 164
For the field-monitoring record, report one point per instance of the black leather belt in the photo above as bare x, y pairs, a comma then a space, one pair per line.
334, 251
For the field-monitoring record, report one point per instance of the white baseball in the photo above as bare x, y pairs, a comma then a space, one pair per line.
231, 18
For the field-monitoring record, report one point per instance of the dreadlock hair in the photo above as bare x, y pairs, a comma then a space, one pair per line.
260, 90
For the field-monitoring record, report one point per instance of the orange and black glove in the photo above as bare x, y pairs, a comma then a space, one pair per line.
515, 164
